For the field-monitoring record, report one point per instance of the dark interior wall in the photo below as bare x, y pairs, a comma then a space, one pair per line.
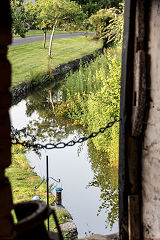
6, 204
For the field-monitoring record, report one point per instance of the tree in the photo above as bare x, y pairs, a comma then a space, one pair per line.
101, 20
19, 19
108, 24
92, 6
65, 12
114, 31
31, 13
36, 18
106, 179
53, 13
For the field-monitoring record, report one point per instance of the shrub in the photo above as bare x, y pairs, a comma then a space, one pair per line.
108, 24
91, 98
101, 20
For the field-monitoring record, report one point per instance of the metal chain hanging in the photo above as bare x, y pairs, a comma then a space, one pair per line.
38, 146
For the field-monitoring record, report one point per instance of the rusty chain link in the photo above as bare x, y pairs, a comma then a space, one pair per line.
38, 146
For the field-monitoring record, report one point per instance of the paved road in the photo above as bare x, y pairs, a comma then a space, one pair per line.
19, 41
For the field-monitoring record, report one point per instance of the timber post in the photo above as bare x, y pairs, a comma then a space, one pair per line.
139, 163
134, 80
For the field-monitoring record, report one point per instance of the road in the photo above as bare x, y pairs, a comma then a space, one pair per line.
20, 41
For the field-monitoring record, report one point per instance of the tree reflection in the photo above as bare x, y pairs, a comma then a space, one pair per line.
47, 127
106, 179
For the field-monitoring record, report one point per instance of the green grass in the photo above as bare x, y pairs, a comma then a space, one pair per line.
30, 59
32, 33
23, 181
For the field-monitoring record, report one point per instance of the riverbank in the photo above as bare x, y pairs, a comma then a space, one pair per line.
23, 181
31, 59
23, 89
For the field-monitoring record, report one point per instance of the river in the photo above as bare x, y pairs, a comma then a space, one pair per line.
89, 183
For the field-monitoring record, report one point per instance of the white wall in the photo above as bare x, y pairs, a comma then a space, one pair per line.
151, 148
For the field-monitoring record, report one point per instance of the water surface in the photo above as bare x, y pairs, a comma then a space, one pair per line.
87, 179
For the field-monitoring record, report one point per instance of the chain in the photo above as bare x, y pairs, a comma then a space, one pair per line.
38, 146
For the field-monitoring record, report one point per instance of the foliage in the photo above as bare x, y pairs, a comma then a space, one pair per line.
51, 13
108, 24
105, 105
114, 31
32, 12
92, 6
106, 179
101, 20
23, 179
19, 19
93, 94
75, 91
94, 107
63, 215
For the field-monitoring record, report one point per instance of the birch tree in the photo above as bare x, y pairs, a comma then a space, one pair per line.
53, 13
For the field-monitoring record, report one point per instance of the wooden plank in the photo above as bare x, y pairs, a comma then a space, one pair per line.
133, 217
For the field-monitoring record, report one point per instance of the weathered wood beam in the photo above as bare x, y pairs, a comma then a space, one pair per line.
125, 115
133, 106
6, 204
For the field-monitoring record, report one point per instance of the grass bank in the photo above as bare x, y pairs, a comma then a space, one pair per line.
24, 180
91, 97
30, 59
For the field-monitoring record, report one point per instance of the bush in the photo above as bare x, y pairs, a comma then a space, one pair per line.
114, 31
108, 24
101, 20
91, 98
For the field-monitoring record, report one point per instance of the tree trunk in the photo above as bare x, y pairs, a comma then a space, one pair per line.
44, 39
51, 39
51, 101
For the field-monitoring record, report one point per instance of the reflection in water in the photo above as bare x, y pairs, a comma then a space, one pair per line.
106, 179
89, 182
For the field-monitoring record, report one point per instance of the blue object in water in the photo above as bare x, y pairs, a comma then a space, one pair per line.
59, 189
